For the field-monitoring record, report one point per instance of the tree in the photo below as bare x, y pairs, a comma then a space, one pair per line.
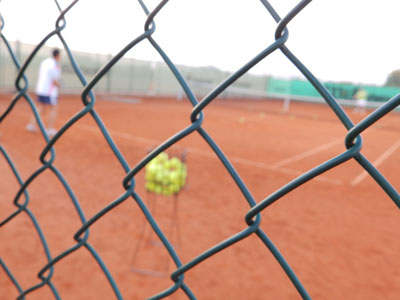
393, 78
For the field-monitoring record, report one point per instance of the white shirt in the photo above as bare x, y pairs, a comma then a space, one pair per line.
48, 72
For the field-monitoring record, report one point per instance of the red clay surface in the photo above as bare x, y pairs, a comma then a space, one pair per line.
339, 232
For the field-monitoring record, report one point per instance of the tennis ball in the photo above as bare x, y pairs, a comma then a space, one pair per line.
160, 175
151, 165
182, 182
150, 186
174, 177
150, 174
152, 171
158, 189
175, 163
183, 171
175, 188
162, 157
242, 120
167, 164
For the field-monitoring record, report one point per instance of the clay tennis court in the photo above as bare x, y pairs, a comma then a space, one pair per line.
339, 232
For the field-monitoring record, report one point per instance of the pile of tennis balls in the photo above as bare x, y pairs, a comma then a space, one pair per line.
165, 176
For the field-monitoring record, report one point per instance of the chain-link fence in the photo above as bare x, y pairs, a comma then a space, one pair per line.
353, 142
129, 76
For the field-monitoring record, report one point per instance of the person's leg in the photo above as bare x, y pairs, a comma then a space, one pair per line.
52, 116
31, 126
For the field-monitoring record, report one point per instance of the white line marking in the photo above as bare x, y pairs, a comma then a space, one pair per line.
307, 153
208, 154
205, 153
281, 170
119, 134
376, 163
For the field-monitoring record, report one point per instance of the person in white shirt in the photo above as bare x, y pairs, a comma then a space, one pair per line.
47, 92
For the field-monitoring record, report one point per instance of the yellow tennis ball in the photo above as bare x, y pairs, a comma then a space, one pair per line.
175, 163
175, 188
164, 177
168, 164
174, 176
158, 189
150, 186
162, 157
151, 170
182, 182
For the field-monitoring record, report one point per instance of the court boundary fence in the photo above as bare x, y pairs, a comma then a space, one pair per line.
353, 143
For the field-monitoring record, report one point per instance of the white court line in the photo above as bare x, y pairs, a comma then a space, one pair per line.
308, 153
207, 154
281, 170
119, 134
376, 163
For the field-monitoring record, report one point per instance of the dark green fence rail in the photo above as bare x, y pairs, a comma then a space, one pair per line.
252, 219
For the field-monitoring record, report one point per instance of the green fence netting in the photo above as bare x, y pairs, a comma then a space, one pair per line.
297, 87
353, 142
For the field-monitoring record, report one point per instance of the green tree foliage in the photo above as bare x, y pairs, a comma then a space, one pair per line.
393, 78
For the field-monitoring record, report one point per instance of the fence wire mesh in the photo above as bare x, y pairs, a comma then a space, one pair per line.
21, 201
